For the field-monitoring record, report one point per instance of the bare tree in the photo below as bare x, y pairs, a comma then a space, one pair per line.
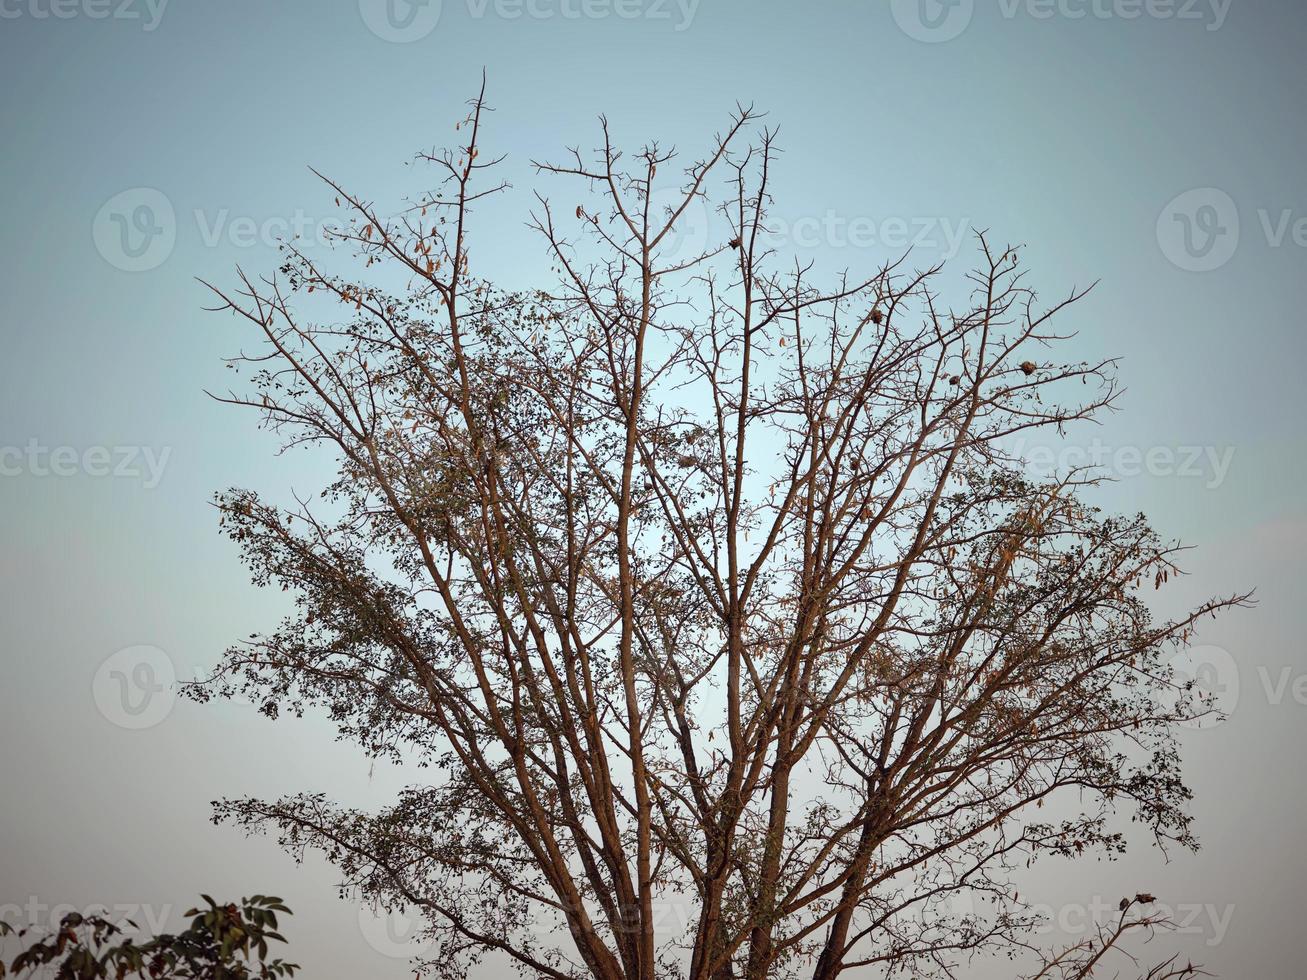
698, 587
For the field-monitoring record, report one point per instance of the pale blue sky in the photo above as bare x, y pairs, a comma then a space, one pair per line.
1074, 135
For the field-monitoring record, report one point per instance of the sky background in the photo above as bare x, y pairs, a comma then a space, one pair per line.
1155, 146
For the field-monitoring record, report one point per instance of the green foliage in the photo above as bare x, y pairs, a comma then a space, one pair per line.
223, 942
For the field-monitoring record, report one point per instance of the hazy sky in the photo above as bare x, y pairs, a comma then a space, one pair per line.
1157, 145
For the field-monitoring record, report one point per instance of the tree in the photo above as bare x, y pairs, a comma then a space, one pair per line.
222, 942
699, 587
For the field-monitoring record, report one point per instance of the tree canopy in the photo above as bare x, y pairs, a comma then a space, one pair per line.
725, 633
